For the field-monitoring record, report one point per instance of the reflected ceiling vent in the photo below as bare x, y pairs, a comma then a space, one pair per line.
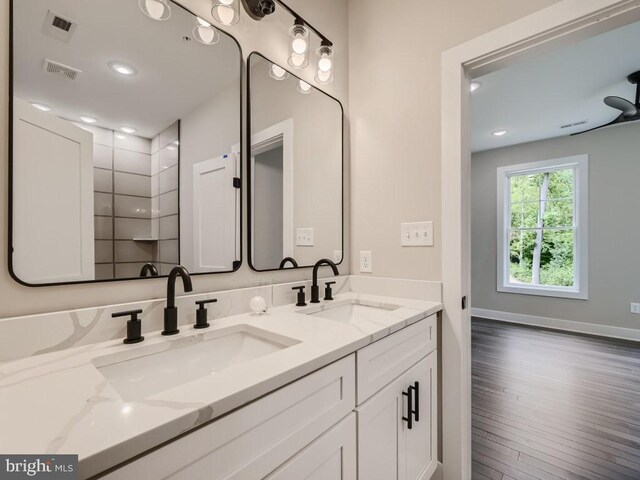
59, 69
576, 124
58, 27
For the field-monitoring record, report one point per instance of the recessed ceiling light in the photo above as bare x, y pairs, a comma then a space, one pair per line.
41, 106
129, 130
122, 69
88, 119
474, 85
499, 133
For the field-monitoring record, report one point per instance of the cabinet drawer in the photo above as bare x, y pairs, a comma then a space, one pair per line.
253, 441
385, 360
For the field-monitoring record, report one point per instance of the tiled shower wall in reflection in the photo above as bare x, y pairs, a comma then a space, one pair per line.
165, 157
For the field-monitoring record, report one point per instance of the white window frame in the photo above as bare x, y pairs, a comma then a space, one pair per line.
580, 166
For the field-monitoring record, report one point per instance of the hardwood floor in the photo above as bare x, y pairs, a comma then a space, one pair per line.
549, 405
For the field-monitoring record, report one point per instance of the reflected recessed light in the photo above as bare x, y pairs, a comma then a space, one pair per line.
129, 130
122, 69
41, 106
474, 85
177, 142
119, 136
88, 119
499, 133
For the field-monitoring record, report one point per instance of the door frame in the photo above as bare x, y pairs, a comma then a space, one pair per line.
561, 24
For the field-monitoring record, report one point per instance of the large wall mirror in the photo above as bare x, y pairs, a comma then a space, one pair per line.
125, 142
296, 170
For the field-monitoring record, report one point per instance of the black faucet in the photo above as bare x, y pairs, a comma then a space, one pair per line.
290, 260
149, 268
171, 311
315, 291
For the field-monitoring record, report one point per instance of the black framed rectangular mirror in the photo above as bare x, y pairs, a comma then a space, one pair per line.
125, 142
295, 170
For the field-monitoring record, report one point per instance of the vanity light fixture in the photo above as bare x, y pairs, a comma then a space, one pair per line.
475, 85
303, 87
122, 69
88, 119
324, 75
499, 133
277, 72
205, 33
299, 47
155, 9
226, 12
41, 106
129, 130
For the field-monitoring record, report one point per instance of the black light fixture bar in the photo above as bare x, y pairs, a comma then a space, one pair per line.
294, 14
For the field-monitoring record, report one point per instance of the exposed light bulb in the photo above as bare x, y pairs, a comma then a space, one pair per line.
277, 72
203, 22
155, 9
299, 45
324, 54
41, 106
226, 12
206, 34
323, 77
297, 60
324, 64
88, 119
304, 87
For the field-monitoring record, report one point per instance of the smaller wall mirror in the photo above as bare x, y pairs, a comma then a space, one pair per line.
295, 168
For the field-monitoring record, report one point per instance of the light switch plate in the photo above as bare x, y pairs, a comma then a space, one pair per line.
416, 234
304, 237
635, 308
366, 262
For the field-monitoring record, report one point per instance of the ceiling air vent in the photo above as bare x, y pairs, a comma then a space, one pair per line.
58, 27
59, 69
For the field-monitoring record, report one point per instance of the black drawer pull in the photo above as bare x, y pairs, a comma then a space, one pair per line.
416, 411
409, 417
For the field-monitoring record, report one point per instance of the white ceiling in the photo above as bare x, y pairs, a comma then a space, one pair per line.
174, 76
532, 99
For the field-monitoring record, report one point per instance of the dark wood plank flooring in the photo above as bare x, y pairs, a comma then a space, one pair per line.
551, 405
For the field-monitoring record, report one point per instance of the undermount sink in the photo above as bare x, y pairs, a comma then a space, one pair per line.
354, 310
142, 372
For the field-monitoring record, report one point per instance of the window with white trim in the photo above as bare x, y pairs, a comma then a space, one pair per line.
542, 228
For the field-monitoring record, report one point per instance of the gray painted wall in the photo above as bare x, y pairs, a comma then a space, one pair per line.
614, 227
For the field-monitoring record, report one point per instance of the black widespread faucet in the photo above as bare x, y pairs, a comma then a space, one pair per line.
149, 268
290, 260
171, 311
315, 291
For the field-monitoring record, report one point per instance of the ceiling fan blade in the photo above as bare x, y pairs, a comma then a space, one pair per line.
619, 119
627, 108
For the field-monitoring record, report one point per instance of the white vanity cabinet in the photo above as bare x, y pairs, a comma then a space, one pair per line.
315, 429
397, 426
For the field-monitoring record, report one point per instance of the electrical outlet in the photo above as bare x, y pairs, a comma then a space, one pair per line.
304, 237
635, 308
337, 256
366, 262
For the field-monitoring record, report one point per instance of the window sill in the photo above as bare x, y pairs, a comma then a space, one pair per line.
544, 292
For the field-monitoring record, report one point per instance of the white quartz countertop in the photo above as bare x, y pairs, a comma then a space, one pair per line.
60, 402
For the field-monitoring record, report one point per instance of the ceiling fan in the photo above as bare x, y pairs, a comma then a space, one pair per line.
630, 112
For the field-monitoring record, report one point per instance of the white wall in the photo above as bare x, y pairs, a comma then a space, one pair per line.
394, 77
614, 263
269, 37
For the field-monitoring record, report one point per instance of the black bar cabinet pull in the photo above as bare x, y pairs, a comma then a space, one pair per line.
416, 389
409, 417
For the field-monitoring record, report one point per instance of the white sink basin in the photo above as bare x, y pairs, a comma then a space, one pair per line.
143, 372
354, 311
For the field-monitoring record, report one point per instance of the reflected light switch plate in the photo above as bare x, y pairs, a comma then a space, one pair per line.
304, 237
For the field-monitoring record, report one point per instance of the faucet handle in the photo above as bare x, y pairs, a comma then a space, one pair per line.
328, 293
301, 297
134, 326
201, 313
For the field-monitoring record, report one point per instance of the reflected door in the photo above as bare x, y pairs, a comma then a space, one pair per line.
53, 233
214, 209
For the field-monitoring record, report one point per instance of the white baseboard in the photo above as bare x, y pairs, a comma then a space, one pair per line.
567, 325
